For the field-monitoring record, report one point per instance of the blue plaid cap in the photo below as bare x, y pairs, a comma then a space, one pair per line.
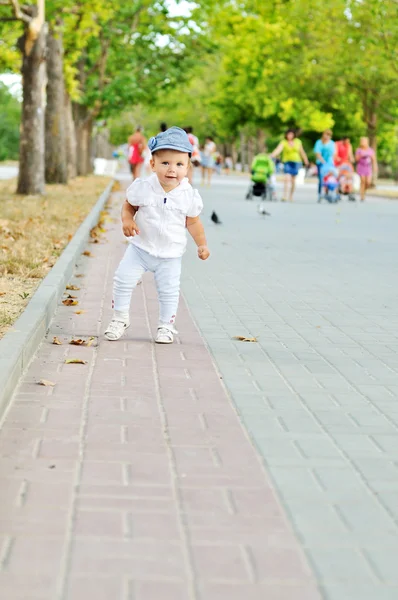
174, 138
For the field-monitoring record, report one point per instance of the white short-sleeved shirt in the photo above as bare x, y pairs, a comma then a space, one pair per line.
161, 216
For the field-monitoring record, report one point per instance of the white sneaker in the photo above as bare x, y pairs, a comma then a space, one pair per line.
116, 329
164, 336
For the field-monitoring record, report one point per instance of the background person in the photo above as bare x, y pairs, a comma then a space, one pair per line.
366, 164
209, 149
343, 152
137, 145
218, 163
293, 155
228, 165
195, 158
324, 151
312, 170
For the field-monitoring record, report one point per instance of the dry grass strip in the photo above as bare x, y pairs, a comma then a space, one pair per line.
33, 232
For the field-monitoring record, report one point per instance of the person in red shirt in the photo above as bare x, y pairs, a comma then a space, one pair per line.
343, 152
137, 145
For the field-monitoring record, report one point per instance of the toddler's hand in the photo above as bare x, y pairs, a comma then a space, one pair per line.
203, 252
130, 228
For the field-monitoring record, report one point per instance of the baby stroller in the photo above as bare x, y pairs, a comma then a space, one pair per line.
261, 184
330, 183
346, 181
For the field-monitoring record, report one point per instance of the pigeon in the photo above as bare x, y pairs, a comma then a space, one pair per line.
262, 211
214, 218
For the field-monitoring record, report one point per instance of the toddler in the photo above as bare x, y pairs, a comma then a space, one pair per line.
155, 216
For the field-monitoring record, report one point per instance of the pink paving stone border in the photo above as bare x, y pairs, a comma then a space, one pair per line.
133, 478
19, 344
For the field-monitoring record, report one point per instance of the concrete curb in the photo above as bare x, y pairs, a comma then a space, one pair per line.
20, 344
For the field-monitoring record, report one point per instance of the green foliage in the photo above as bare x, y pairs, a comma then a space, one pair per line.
10, 58
231, 66
301, 63
139, 52
10, 111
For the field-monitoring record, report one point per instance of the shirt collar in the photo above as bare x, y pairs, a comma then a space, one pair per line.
157, 188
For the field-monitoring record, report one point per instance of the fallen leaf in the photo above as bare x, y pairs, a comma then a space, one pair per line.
70, 302
80, 342
56, 341
79, 312
87, 253
95, 241
97, 231
75, 361
70, 296
3, 293
79, 275
77, 342
72, 287
243, 338
46, 382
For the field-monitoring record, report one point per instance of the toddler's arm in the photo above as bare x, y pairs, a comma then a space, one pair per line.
129, 225
196, 229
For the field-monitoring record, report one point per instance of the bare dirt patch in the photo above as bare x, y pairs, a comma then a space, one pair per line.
33, 232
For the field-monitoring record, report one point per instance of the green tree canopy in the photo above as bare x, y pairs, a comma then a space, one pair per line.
10, 110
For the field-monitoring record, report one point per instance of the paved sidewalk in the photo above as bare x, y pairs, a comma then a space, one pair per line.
133, 478
318, 393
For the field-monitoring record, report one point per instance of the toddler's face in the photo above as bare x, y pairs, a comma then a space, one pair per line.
171, 167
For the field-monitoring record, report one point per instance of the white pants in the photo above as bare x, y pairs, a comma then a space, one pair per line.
167, 272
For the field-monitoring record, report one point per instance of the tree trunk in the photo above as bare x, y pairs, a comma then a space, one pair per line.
56, 170
88, 126
243, 159
260, 141
101, 148
396, 154
31, 155
83, 125
250, 151
225, 149
372, 135
369, 106
70, 138
372, 130
234, 154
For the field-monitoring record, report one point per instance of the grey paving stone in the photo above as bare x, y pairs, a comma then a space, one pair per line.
368, 514
342, 565
385, 564
362, 591
335, 347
